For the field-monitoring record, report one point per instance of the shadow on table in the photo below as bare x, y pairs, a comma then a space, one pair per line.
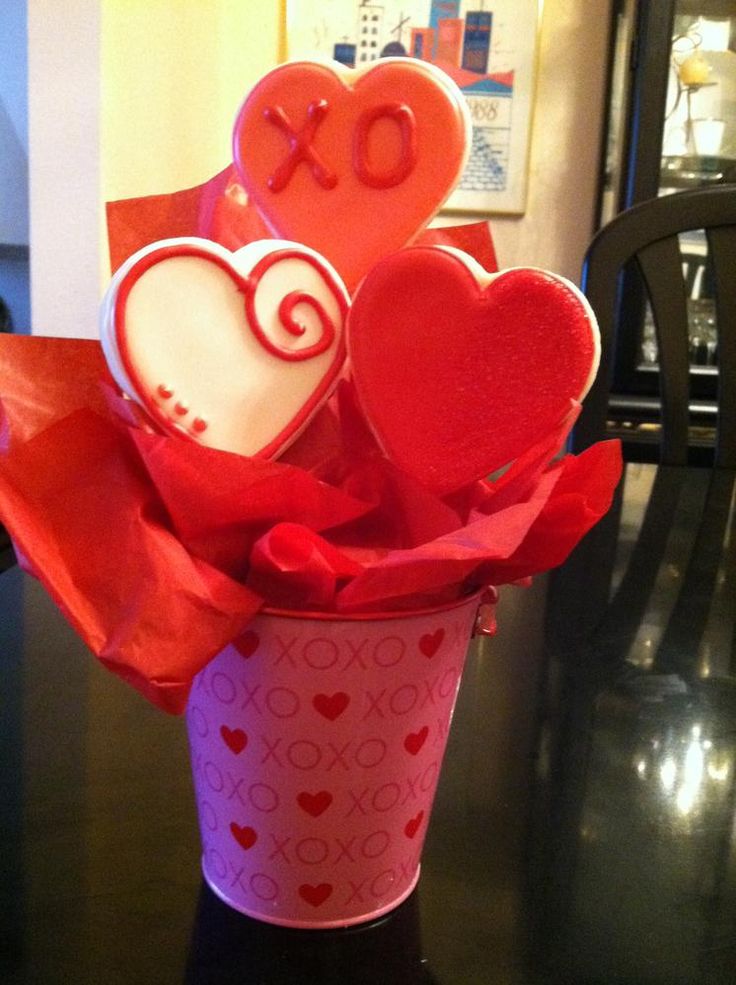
228, 948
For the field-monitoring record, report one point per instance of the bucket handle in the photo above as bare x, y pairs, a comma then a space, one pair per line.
485, 619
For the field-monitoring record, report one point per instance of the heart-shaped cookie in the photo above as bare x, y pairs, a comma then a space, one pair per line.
234, 350
352, 162
459, 371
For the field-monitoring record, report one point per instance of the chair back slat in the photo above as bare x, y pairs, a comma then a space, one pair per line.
660, 263
722, 250
601, 292
647, 234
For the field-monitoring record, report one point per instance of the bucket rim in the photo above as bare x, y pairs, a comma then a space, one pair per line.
377, 616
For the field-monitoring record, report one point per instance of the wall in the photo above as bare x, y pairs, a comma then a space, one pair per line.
173, 77
564, 161
13, 126
63, 111
132, 97
14, 280
564, 157
127, 97
216, 46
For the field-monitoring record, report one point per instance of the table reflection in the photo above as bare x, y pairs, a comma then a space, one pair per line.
633, 843
583, 831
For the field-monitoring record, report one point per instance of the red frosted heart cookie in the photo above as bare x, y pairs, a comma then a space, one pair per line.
234, 350
354, 163
457, 370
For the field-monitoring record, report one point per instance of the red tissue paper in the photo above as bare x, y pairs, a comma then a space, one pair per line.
219, 210
160, 551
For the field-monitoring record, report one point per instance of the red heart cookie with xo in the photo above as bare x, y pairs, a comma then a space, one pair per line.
352, 162
459, 371
234, 350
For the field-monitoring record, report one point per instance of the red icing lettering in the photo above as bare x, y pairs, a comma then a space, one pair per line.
403, 167
301, 148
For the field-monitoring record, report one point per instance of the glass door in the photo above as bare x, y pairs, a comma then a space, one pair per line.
699, 134
699, 144
671, 126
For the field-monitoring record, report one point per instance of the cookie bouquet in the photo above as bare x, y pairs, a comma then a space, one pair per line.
282, 490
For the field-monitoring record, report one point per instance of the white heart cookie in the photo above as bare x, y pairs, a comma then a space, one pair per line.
234, 350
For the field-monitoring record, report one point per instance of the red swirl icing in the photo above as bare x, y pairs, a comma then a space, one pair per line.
249, 287
287, 305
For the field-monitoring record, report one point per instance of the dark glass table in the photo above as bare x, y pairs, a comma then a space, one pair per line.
584, 831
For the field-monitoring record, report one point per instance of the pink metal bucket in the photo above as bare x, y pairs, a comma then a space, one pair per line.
316, 748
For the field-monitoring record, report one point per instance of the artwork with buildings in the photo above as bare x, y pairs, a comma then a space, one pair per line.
487, 47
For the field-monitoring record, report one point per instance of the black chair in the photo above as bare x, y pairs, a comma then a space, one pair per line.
7, 557
7, 554
647, 235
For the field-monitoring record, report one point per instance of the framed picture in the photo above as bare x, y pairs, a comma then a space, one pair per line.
487, 46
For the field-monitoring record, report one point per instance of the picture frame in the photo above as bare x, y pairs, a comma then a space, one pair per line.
488, 47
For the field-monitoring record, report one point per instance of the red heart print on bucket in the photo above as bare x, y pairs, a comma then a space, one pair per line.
415, 740
352, 162
331, 706
234, 350
315, 895
314, 804
245, 836
430, 643
412, 826
235, 739
247, 644
459, 371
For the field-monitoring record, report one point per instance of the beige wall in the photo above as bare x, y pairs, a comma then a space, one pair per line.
564, 159
133, 97
64, 165
126, 97
150, 56
173, 75
564, 162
